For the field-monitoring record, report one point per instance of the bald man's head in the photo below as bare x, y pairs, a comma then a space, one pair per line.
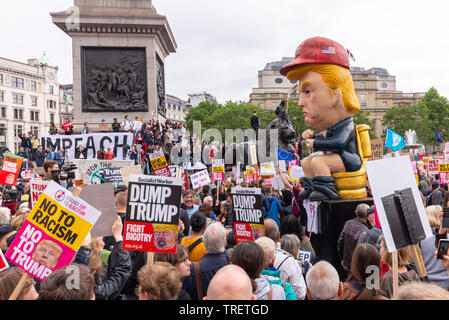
230, 283
271, 230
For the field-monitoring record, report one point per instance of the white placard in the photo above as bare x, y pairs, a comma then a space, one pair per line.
296, 172
200, 179
387, 176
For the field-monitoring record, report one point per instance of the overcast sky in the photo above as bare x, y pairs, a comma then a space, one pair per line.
223, 44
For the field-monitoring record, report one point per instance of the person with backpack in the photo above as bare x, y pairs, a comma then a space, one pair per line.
194, 242
269, 272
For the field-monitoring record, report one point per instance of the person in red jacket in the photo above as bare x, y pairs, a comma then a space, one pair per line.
67, 126
109, 155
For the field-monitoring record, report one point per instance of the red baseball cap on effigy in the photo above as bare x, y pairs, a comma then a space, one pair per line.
318, 50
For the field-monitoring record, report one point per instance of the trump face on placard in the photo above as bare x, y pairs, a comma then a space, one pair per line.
47, 252
165, 236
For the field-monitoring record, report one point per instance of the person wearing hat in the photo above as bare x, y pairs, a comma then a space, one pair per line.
328, 100
374, 235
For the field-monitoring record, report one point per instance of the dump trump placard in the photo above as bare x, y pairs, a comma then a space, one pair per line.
152, 213
248, 216
53, 232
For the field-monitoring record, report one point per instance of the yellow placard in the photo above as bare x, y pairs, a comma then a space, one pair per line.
58, 222
443, 167
159, 163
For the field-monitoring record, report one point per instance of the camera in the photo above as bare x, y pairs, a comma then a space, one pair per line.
65, 173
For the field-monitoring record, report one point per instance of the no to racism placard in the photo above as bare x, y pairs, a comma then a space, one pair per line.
443, 169
152, 213
53, 232
92, 142
247, 211
10, 169
159, 164
218, 170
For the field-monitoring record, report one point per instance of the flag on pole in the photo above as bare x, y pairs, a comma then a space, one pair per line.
437, 136
394, 141
284, 155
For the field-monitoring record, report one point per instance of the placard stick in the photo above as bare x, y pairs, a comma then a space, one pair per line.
19, 287
417, 258
150, 256
218, 188
395, 273
3, 191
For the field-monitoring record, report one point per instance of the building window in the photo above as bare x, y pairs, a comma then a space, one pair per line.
278, 80
35, 130
18, 130
34, 115
363, 100
17, 99
362, 85
384, 85
2, 96
34, 101
18, 114
1, 78
51, 90
17, 82
2, 129
179, 108
52, 117
3, 110
33, 85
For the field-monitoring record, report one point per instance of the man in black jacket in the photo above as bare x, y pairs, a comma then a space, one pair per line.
255, 123
215, 242
40, 156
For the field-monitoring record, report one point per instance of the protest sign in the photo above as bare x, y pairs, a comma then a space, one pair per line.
91, 171
305, 255
26, 174
92, 142
175, 171
443, 170
159, 164
152, 214
218, 170
127, 171
282, 165
296, 172
52, 233
247, 211
3, 262
398, 202
377, 148
200, 179
10, 169
313, 217
433, 165
415, 170
101, 197
277, 183
267, 170
236, 171
36, 188
111, 175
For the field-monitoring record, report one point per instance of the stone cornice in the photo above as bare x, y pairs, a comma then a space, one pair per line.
21, 72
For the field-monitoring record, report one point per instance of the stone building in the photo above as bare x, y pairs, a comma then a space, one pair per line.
29, 99
176, 108
375, 89
196, 98
66, 102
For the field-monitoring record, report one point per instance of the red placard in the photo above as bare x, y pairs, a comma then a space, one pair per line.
10, 169
3, 263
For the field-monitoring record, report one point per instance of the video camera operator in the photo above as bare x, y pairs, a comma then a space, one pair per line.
61, 176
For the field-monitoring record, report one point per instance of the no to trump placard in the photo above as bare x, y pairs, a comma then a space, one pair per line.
443, 169
159, 164
36, 189
52, 233
248, 216
10, 169
152, 213
218, 170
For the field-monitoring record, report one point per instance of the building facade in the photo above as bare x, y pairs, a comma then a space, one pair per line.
176, 108
29, 99
375, 89
66, 103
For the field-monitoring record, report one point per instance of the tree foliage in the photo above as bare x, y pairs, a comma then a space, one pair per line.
424, 116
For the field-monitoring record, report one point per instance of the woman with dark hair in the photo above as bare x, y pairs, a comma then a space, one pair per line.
179, 260
194, 241
292, 225
251, 257
10, 278
365, 255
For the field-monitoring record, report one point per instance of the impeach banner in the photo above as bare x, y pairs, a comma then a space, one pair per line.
10, 169
152, 213
36, 189
218, 170
159, 164
52, 233
92, 171
247, 211
443, 169
92, 142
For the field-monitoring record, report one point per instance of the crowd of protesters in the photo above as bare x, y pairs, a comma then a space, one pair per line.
208, 263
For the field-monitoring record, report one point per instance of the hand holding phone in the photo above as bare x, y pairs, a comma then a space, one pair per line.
443, 246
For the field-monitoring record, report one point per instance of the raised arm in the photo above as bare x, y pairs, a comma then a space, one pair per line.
285, 180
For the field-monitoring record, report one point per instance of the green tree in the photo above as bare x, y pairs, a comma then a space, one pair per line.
362, 117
